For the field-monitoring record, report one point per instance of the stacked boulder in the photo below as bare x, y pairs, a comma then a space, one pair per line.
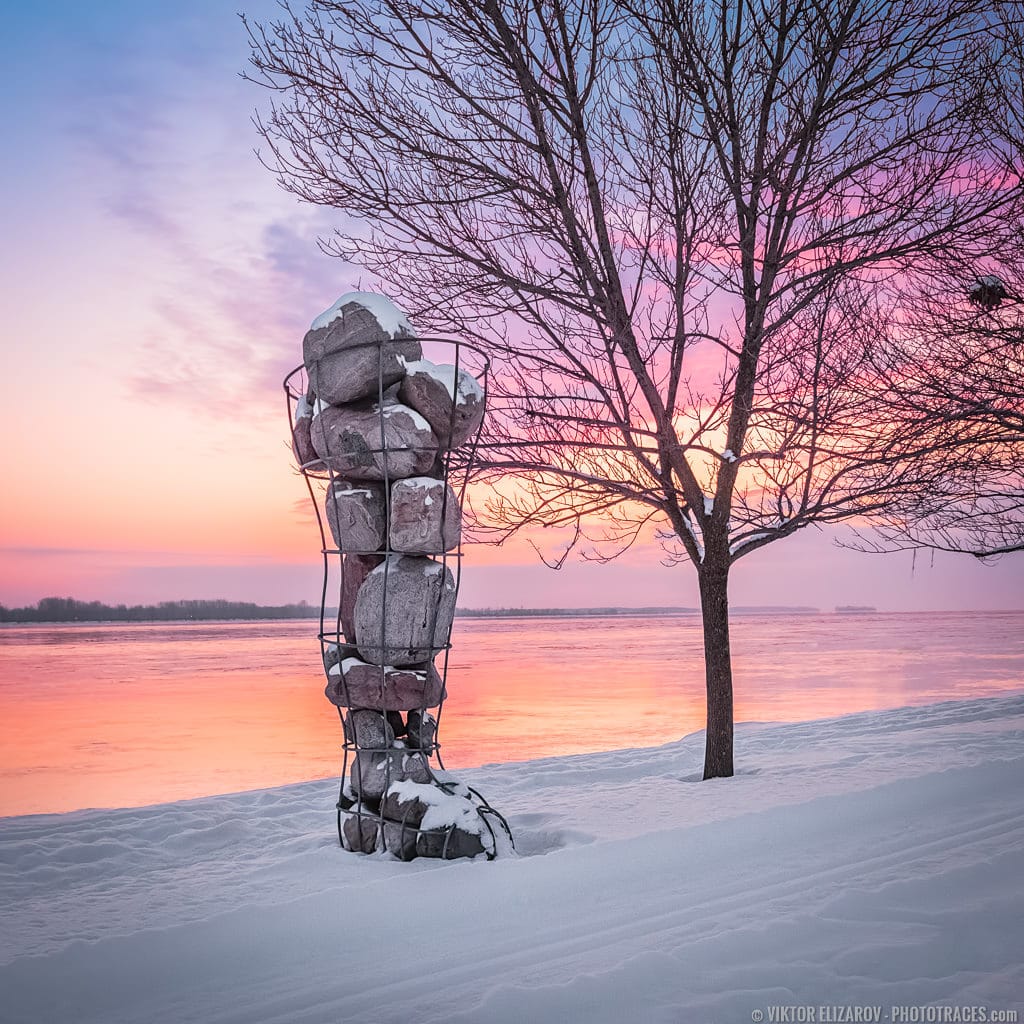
378, 420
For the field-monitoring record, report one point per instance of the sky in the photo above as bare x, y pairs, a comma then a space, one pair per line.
157, 283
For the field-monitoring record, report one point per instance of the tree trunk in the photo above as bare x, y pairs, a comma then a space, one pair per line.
714, 603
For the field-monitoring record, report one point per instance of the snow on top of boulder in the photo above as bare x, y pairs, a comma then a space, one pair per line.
394, 562
343, 487
443, 809
345, 666
444, 374
391, 319
303, 410
728, 455
391, 407
420, 481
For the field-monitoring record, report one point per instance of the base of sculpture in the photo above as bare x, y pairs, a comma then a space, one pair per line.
435, 817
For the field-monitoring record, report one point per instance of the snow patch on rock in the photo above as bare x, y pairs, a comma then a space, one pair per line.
445, 374
391, 319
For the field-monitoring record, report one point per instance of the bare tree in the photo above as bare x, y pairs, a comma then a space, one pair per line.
955, 380
682, 230
954, 368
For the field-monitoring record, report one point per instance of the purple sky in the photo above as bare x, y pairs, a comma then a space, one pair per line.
157, 284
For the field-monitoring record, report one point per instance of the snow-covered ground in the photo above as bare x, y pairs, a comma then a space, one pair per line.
874, 860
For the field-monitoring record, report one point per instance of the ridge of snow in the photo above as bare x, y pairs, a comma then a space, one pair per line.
688, 526
391, 319
736, 546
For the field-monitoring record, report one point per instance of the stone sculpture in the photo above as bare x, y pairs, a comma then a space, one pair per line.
377, 421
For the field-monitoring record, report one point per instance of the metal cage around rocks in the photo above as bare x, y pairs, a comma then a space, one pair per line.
387, 482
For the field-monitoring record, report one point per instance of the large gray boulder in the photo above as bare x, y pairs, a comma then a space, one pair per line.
404, 611
356, 515
354, 570
357, 346
354, 683
425, 518
360, 832
374, 442
400, 840
373, 772
448, 843
369, 730
451, 401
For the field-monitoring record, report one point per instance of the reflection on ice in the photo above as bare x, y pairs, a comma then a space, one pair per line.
132, 714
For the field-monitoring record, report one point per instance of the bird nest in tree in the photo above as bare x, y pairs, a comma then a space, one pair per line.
988, 292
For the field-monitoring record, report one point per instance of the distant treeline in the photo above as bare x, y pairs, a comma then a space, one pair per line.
67, 609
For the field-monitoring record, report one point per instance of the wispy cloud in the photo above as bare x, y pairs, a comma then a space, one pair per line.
230, 267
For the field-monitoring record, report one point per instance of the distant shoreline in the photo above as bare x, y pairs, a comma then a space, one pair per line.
184, 612
60, 610
582, 613
65, 611
56, 610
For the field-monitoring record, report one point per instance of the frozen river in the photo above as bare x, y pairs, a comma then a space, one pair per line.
128, 714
